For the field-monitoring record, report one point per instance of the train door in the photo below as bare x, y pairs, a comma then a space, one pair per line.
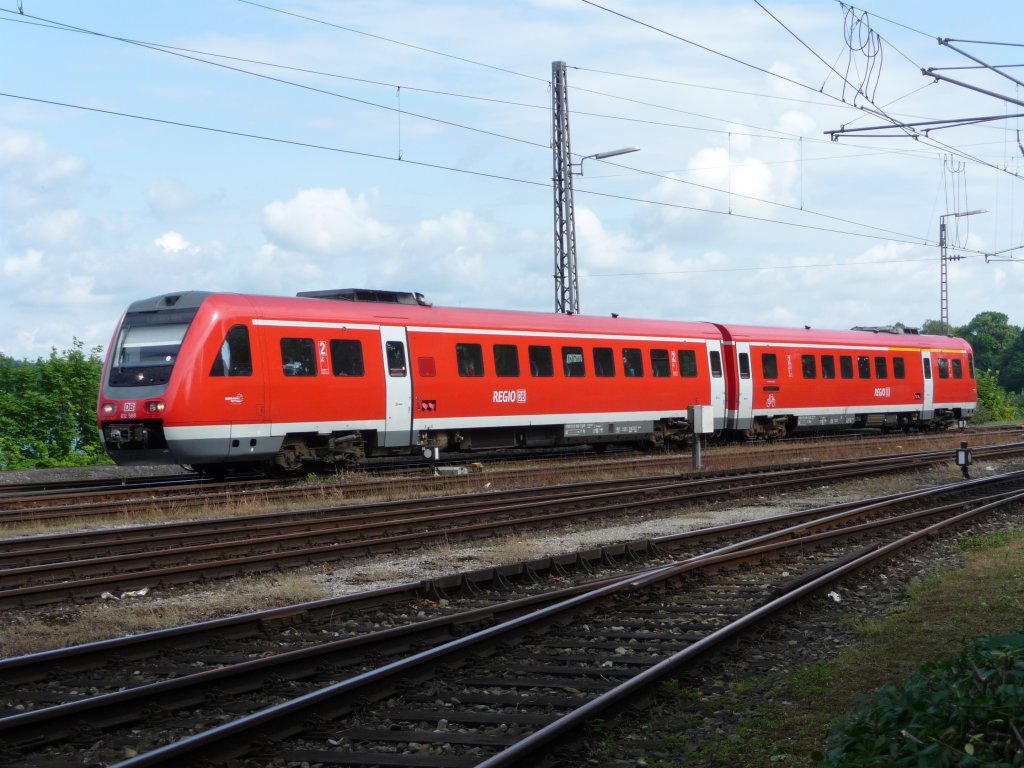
718, 383
397, 388
928, 386
744, 386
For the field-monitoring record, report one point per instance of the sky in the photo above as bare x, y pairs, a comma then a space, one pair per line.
295, 145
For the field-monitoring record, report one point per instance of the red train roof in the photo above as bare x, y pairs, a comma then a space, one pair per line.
797, 336
332, 310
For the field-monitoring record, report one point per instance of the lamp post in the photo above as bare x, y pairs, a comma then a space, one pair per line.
943, 259
567, 298
567, 292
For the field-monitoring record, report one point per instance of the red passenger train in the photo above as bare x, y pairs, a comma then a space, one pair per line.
213, 380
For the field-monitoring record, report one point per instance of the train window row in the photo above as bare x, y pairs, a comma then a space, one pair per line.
573, 361
298, 358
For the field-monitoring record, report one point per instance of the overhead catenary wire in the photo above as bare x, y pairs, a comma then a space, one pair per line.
794, 137
436, 166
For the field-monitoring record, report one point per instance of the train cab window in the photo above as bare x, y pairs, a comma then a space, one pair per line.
632, 362
506, 360
927, 368
970, 364
572, 362
395, 353
943, 368
470, 358
659, 363
828, 366
347, 357
899, 370
604, 362
235, 356
846, 366
744, 361
298, 357
958, 368
863, 367
687, 363
716, 364
809, 365
881, 368
769, 365
427, 367
540, 362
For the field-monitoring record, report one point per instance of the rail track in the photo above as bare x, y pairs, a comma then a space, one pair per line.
45, 569
487, 669
87, 503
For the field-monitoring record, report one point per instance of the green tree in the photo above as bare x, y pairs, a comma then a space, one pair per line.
991, 336
48, 410
935, 328
994, 402
1011, 372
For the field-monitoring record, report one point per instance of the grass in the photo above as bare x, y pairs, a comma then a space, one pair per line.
941, 616
31, 632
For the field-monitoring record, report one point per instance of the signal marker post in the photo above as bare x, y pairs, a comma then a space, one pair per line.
702, 422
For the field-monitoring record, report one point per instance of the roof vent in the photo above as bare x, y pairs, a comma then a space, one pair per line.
887, 329
364, 294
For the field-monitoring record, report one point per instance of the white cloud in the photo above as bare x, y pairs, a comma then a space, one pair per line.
173, 242
169, 198
324, 222
24, 267
64, 228
34, 162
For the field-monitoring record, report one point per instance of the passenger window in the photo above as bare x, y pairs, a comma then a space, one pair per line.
863, 367
958, 368
347, 357
395, 352
716, 364
970, 364
471, 359
298, 357
659, 363
688, 363
604, 362
506, 360
810, 366
235, 355
572, 362
427, 367
633, 362
846, 366
828, 367
540, 362
769, 365
899, 371
943, 368
927, 368
744, 361
881, 368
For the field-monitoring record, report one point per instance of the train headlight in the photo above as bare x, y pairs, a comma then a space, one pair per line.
155, 406
109, 408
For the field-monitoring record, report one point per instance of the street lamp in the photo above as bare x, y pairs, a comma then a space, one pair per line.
943, 258
604, 156
567, 297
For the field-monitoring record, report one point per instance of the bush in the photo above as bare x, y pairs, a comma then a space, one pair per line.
966, 710
48, 410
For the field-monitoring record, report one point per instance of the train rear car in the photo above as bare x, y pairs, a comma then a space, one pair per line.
789, 380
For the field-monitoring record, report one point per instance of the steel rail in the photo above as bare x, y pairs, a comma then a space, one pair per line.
233, 739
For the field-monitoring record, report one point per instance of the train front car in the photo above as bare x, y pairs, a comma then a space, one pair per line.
153, 406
